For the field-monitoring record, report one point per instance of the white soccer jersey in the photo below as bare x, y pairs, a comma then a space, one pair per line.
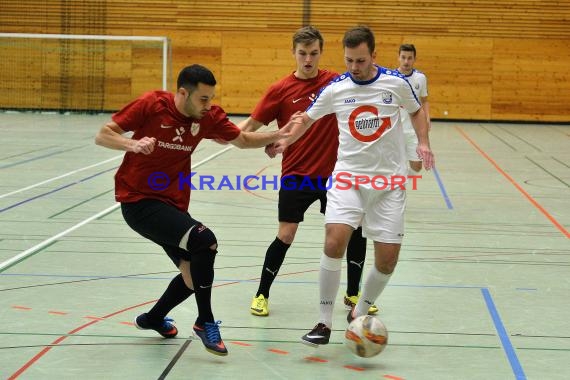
371, 140
418, 81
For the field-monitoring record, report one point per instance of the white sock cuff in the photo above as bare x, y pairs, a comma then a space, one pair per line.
331, 264
376, 273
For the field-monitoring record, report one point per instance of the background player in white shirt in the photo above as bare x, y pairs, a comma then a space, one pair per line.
366, 101
418, 81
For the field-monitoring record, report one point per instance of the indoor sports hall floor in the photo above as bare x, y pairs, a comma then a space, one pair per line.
481, 291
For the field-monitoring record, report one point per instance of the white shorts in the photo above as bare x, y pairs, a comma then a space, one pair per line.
411, 144
380, 212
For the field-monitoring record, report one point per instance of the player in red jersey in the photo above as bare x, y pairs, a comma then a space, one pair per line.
306, 165
152, 185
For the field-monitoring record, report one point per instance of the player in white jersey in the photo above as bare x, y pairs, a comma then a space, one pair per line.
418, 81
366, 101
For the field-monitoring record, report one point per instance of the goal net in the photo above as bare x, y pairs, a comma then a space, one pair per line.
79, 73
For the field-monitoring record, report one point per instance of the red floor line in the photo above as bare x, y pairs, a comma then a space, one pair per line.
46, 349
54, 312
515, 184
92, 317
315, 359
241, 344
393, 377
276, 351
354, 368
63, 337
21, 307
292, 273
255, 194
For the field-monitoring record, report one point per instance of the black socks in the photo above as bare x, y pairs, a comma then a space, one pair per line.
355, 255
273, 259
175, 293
202, 270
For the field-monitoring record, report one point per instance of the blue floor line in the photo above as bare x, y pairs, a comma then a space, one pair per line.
504, 336
54, 190
35, 158
442, 189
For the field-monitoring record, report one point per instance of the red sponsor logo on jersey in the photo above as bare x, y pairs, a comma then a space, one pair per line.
369, 121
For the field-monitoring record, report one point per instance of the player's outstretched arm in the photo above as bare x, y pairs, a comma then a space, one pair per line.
299, 123
260, 139
250, 125
111, 136
420, 124
247, 125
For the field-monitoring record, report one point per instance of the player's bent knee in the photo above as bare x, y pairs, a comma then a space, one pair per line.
287, 232
286, 238
202, 238
334, 249
386, 267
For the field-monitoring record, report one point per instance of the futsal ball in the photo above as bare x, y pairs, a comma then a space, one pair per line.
366, 336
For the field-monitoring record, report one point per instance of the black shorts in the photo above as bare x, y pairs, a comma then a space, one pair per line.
162, 223
297, 193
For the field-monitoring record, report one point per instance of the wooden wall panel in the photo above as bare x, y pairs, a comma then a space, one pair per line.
145, 71
118, 69
211, 15
481, 18
459, 75
531, 80
196, 46
250, 66
484, 59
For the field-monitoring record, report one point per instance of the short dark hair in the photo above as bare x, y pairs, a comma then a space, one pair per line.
307, 35
407, 47
190, 76
357, 35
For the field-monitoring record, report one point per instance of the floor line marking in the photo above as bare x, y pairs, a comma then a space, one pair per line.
504, 336
515, 184
22, 256
442, 189
38, 247
58, 177
54, 190
174, 359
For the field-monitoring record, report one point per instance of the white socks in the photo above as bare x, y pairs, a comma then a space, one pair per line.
374, 285
329, 282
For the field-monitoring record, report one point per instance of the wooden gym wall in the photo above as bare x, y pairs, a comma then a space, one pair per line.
485, 59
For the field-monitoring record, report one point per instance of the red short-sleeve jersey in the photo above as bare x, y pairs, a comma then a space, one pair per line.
155, 115
314, 154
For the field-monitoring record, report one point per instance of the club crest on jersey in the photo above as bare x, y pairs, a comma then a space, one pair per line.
195, 128
387, 97
417, 86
